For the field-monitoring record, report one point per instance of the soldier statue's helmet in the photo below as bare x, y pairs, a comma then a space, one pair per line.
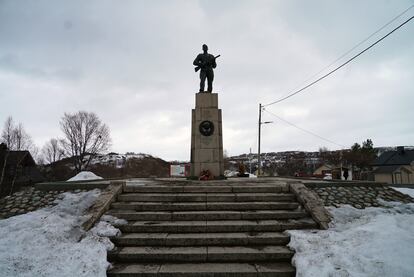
205, 47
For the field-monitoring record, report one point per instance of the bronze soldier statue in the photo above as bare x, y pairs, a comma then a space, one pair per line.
206, 62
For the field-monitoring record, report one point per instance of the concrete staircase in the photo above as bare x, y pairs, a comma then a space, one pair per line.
206, 229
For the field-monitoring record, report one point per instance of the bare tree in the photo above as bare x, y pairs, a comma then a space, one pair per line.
16, 138
7, 135
85, 137
52, 151
22, 140
331, 157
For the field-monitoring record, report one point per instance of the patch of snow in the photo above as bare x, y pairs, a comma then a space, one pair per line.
83, 176
138, 182
137, 156
368, 242
113, 220
51, 242
327, 176
229, 173
236, 173
407, 191
105, 229
117, 160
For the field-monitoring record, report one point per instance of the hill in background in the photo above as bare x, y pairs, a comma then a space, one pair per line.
112, 165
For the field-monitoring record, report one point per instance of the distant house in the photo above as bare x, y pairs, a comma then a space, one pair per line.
17, 168
334, 171
395, 167
323, 170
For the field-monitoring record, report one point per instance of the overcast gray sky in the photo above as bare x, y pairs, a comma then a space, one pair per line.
130, 62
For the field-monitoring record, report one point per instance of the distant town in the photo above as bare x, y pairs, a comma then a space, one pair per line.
359, 162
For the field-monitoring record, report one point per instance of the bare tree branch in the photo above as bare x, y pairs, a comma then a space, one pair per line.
52, 151
16, 138
85, 137
7, 135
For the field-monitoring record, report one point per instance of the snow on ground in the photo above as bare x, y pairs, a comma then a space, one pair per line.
369, 242
83, 176
118, 160
104, 227
113, 220
229, 173
50, 241
408, 191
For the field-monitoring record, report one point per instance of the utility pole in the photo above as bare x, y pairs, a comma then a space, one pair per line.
250, 161
340, 155
259, 165
258, 143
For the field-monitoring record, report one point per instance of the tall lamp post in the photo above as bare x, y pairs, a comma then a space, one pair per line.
259, 165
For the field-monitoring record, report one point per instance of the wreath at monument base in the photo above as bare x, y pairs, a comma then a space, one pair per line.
206, 175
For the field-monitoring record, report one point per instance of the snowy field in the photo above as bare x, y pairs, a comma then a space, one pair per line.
50, 241
369, 242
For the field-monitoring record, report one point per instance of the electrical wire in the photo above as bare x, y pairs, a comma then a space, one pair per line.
357, 45
340, 66
304, 130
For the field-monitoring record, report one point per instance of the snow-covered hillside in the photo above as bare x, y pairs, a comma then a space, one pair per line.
118, 160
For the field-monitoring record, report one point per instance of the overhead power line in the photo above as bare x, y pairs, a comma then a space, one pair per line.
304, 130
357, 45
342, 65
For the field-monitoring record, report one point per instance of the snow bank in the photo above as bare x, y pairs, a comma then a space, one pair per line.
50, 241
369, 242
83, 176
408, 191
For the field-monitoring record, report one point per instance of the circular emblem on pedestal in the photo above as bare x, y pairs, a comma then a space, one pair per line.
206, 128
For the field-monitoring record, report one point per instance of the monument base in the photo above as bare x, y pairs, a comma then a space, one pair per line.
206, 136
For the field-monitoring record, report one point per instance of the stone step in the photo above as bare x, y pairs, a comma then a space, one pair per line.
203, 206
200, 254
205, 229
208, 215
281, 269
201, 239
206, 188
217, 226
203, 197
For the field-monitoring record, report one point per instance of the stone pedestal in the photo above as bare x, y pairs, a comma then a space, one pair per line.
206, 136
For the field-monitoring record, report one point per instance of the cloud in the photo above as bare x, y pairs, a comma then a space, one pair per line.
131, 63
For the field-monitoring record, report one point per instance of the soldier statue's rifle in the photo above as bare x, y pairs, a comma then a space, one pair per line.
199, 67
